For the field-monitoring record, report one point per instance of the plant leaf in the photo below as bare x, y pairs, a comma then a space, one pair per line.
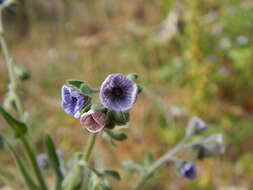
111, 173
29, 181
54, 160
85, 89
19, 127
116, 135
103, 186
75, 83
1, 142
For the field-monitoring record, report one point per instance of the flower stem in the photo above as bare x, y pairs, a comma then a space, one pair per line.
75, 176
89, 147
169, 156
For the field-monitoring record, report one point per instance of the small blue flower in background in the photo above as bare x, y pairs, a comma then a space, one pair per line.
118, 93
73, 101
188, 171
1, 1
43, 161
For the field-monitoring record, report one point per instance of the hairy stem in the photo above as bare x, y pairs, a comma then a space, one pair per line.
13, 86
89, 147
13, 90
169, 156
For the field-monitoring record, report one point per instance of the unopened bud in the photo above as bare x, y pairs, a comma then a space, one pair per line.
195, 126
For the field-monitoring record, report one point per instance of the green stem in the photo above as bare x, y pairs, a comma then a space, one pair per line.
9, 62
34, 163
169, 156
75, 176
89, 147
13, 87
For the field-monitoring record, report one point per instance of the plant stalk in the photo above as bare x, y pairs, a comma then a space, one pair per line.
13, 87
169, 156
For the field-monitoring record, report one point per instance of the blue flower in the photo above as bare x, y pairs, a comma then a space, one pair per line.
188, 171
73, 101
118, 93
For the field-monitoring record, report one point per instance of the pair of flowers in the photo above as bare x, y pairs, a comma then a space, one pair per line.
117, 93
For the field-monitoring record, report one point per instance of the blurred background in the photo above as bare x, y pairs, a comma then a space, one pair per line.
194, 57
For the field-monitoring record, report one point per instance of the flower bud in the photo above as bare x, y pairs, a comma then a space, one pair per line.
43, 161
120, 118
210, 146
22, 72
93, 121
195, 126
187, 170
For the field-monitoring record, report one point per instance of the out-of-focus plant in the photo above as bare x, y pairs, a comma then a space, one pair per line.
117, 95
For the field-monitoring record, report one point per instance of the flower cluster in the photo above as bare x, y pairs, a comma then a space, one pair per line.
117, 94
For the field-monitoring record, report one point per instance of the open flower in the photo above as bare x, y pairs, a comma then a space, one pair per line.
93, 121
188, 170
118, 92
73, 101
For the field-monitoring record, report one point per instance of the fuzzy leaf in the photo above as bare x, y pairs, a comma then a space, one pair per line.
19, 127
75, 83
111, 173
85, 89
54, 160
117, 135
103, 186
29, 181
1, 142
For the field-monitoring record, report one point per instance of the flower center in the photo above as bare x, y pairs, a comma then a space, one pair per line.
117, 91
74, 99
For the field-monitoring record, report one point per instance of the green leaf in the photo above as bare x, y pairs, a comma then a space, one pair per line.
96, 107
111, 173
1, 142
29, 181
148, 160
85, 89
116, 135
19, 127
75, 83
120, 118
103, 186
133, 76
54, 160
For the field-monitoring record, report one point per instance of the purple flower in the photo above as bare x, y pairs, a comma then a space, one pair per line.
118, 92
43, 161
93, 121
188, 171
73, 101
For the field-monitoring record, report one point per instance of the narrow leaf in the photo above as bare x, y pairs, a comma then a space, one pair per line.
1, 142
111, 173
29, 181
54, 160
116, 135
19, 127
103, 186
